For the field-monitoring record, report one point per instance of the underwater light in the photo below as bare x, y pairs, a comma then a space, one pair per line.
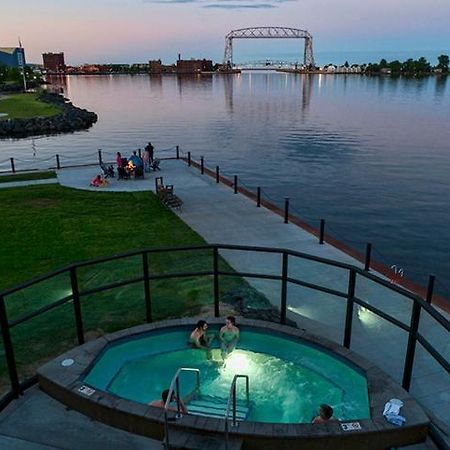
238, 361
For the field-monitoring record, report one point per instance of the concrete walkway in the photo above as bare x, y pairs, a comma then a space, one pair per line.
37, 422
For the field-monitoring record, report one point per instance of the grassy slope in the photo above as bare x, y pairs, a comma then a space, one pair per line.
27, 176
47, 227
19, 106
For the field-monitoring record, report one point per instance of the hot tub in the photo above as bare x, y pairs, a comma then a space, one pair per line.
290, 374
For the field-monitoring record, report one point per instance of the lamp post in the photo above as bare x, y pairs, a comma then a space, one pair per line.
21, 61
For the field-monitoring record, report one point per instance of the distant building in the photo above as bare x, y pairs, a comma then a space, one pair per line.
12, 56
54, 62
155, 66
194, 66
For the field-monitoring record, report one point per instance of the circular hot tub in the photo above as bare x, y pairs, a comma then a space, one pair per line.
290, 374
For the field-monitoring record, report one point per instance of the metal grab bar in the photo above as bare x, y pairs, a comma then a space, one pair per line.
175, 385
232, 398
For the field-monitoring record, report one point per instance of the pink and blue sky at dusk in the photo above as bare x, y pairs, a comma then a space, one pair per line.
138, 30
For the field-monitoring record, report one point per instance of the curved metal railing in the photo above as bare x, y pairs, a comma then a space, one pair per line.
232, 401
175, 387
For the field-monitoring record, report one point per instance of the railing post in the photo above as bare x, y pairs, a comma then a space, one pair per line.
189, 159
349, 312
235, 184
322, 231
234, 404
13, 167
9, 350
411, 348
258, 197
368, 256
148, 301
100, 161
77, 305
177, 384
286, 210
284, 274
157, 179
202, 165
58, 165
430, 288
178, 152
216, 281
217, 174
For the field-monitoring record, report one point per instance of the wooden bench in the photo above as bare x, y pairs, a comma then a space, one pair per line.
166, 195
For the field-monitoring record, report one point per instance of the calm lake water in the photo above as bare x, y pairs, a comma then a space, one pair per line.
370, 155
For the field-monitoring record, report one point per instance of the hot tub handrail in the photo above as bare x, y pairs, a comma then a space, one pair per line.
175, 385
232, 397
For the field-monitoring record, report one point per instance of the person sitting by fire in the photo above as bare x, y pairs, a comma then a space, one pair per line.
135, 160
98, 181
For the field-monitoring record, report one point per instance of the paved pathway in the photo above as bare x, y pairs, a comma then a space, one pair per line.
38, 422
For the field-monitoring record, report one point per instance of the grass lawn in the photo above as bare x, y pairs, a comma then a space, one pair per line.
28, 176
22, 106
48, 227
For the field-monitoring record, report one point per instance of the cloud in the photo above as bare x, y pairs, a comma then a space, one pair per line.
239, 6
225, 4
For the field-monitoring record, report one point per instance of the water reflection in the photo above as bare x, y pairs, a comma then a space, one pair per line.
440, 87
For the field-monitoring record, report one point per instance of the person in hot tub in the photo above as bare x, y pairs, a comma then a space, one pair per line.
229, 336
199, 337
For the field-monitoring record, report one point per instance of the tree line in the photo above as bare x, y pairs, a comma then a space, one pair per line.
410, 67
11, 78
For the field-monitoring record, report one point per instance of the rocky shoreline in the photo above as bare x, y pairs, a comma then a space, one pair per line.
70, 119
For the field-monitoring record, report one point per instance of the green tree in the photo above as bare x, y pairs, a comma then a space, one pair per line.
395, 66
443, 62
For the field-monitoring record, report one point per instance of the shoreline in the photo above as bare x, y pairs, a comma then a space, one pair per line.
70, 118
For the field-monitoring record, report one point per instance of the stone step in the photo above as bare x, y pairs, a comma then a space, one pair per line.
216, 407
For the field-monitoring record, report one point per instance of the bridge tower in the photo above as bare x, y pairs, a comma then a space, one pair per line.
269, 33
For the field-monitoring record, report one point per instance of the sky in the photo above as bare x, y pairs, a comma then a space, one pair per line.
130, 31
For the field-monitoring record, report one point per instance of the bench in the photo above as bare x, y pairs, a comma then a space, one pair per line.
166, 195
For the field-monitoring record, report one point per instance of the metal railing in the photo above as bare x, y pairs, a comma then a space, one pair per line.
416, 326
232, 402
175, 387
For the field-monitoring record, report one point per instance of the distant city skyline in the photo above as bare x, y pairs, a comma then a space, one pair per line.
111, 31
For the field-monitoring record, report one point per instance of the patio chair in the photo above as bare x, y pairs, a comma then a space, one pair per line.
155, 164
122, 174
108, 171
139, 172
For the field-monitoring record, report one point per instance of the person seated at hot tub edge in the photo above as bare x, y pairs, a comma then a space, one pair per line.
162, 403
229, 336
325, 414
199, 337
135, 159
